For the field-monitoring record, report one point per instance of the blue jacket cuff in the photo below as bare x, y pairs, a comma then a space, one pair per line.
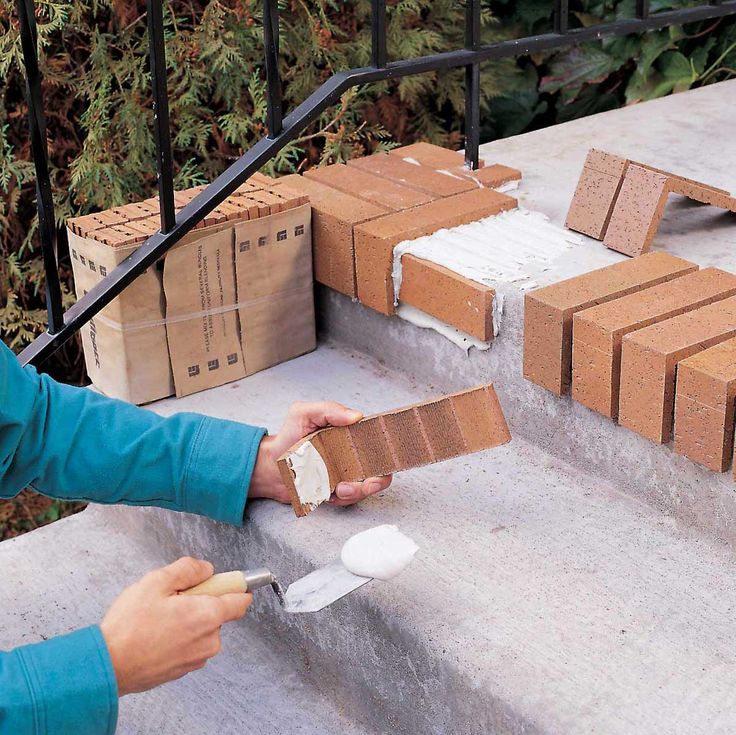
219, 469
71, 684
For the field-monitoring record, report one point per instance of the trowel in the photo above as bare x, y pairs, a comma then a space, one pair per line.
312, 593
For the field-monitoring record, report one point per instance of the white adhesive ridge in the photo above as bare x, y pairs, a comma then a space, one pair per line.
311, 479
380, 552
420, 318
496, 249
504, 248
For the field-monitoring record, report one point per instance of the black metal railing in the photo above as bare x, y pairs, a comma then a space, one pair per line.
281, 130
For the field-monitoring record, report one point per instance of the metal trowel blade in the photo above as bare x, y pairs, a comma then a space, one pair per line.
321, 588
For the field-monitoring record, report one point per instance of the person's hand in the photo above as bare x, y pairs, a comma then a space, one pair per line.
303, 419
155, 635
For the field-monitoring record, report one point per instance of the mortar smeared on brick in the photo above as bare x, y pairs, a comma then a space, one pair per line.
311, 479
421, 319
380, 552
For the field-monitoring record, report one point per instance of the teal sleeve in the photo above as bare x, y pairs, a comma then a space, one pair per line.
73, 443
62, 686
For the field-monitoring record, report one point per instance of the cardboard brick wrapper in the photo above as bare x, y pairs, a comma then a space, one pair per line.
231, 299
408, 437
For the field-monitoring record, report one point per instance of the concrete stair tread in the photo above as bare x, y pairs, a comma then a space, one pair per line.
541, 596
253, 687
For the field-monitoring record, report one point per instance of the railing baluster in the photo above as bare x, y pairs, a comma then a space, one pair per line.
378, 34
44, 197
273, 79
561, 16
472, 85
164, 161
642, 9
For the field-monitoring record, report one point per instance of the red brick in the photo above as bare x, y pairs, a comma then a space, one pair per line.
598, 331
334, 215
375, 240
421, 178
448, 296
492, 176
430, 155
373, 189
596, 193
404, 438
649, 359
705, 400
549, 311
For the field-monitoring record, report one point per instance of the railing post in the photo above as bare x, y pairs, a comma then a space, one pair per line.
379, 54
472, 85
164, 161
273, 79
642, 9
561, 16
44, 197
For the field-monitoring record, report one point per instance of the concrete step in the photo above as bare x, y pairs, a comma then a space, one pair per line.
65, 576
663, 133
542, 600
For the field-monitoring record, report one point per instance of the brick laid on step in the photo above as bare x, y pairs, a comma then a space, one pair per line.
375, 240
430, 155
334, 214
649, 360
448, 296
549, 311
598, 331
402, 172
705, 399
360, 184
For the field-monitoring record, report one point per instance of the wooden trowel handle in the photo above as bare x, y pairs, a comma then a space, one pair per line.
220, 584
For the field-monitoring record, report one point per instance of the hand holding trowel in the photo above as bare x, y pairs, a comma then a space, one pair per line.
380, 552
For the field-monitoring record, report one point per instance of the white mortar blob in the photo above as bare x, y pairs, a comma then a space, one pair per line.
311, 479
380, 552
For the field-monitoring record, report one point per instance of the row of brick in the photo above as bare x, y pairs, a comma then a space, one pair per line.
362, 210
650, 342
134, 223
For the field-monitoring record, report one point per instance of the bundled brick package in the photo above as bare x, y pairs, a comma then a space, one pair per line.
397, 440
233, 297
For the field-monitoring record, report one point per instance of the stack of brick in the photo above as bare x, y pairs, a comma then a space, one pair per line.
650, 342
207, 313
132, 224
362, 210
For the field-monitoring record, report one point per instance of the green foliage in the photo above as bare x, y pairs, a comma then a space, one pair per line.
94, 59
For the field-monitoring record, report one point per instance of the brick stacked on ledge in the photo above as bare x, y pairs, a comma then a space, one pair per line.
362, 210
650, 342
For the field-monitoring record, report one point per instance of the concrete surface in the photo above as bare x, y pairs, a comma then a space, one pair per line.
254, 687
542, 600
669, 134
546, 597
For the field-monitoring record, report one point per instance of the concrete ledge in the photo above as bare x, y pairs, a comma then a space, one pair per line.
666, 133
542, 599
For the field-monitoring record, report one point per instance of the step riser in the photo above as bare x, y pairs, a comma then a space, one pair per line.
378, 670
690, 494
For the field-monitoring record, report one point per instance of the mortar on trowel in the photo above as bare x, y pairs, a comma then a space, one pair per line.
377, 553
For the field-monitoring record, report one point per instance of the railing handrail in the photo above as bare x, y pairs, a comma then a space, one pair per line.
282, 130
